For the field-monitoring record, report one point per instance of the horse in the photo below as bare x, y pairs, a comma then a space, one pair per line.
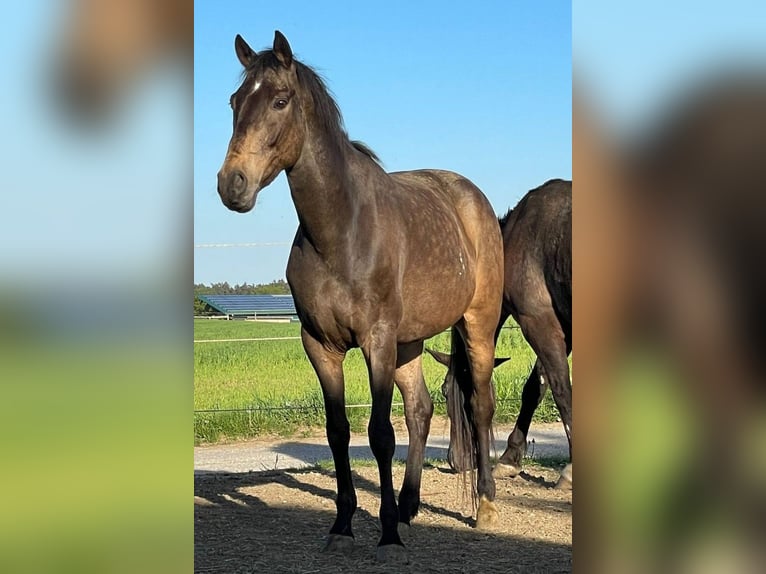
537, 241
380, 261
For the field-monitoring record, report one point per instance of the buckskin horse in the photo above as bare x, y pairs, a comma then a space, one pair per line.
380, 261
537, 240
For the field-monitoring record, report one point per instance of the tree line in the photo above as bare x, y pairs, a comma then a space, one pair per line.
276, 287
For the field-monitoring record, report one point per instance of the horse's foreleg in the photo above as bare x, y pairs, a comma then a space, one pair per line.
418, 409
509, 464
379, 351
329, 368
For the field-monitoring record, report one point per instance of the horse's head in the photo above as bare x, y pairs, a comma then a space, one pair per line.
268, 123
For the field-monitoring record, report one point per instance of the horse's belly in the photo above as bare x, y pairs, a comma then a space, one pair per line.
431, 311
418, 328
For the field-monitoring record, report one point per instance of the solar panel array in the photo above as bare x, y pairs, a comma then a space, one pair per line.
249, 305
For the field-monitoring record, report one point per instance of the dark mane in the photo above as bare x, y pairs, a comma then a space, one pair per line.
325, 107
365, 149
504, 219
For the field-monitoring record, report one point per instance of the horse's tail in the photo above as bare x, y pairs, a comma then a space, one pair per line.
458, 389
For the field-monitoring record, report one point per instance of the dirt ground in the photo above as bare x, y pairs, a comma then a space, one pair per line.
277, 520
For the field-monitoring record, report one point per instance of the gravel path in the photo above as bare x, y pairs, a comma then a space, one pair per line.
298, 452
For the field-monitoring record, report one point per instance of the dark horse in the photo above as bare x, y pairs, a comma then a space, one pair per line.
380, 261
537, 239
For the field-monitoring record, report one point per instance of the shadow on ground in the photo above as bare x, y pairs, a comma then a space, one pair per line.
276, 521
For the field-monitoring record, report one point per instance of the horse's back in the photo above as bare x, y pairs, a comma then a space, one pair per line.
537, 240
458, 188
450, 192
440, 203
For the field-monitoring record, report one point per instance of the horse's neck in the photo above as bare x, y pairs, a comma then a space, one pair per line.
326, 196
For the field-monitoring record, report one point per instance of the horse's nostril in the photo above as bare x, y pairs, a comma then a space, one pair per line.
238, 181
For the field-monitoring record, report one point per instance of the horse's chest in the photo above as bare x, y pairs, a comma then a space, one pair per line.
326, 304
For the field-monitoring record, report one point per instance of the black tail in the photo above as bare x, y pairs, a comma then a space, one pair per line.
458, 389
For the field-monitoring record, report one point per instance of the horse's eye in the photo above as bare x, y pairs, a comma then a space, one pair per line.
280, 104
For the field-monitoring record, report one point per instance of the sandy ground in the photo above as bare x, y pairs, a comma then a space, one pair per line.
255, 514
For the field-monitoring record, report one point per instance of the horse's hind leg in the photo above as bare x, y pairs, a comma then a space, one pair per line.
329, 369
509, 464
418, 409
479, 341
545, 335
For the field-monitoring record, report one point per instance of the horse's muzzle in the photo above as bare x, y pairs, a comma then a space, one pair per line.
233, 189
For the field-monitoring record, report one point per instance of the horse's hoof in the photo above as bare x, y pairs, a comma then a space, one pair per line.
505, 471
404, 530
338, 544
488, 518
392, 554
565, 480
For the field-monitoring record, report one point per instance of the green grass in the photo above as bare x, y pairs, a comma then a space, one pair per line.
276, 381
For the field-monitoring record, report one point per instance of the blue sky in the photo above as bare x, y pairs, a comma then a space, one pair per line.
482, 91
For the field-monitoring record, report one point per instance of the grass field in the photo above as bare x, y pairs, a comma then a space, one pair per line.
275, 382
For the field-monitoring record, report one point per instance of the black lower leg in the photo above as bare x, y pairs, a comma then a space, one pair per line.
345, 501
532, 395
382, 443
418, 426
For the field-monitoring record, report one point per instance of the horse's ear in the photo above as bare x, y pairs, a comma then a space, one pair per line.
500, 360
282, 49
443, 358
245, 53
